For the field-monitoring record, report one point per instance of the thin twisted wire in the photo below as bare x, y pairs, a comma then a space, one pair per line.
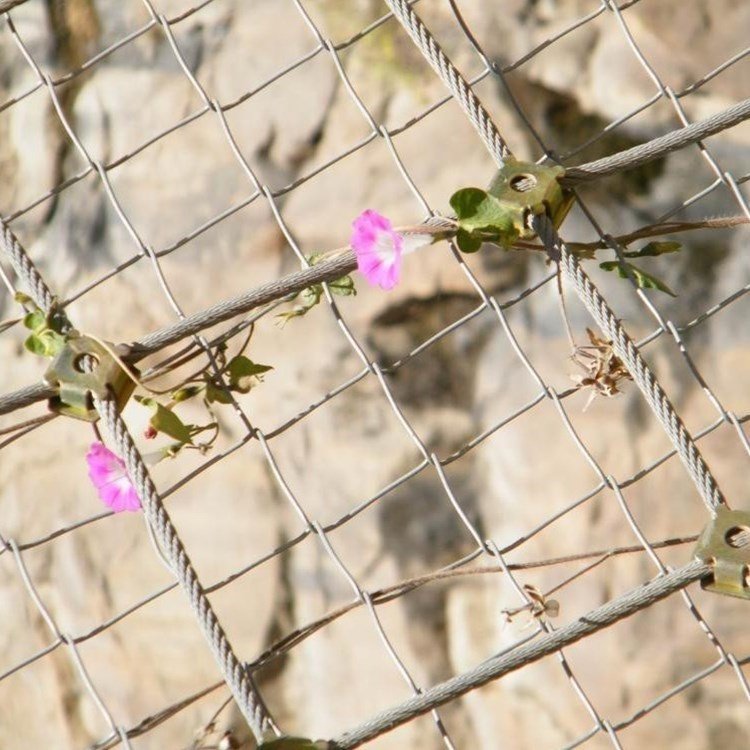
498, 666
232, 669
450, 76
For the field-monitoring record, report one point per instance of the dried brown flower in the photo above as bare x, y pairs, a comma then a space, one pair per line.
541, 606
604, 370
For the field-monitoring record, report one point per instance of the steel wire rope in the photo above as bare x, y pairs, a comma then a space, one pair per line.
157, 517
628, 353
346, 262
656, 148
329, 270
558, 252
233, 670
509, 661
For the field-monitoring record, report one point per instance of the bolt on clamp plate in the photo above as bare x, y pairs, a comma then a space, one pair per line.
75, 385
531, 188
725, 545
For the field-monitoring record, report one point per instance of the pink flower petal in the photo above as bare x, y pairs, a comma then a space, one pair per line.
107, 474
378, 249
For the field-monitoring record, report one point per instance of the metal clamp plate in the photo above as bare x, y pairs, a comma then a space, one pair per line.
76, 386
725, 545
531, 188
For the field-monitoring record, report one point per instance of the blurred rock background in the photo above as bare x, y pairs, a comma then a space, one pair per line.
353, 446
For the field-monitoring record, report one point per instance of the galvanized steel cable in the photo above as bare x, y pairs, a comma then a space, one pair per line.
333, 269
451, 77
261, 295
498, 666
658, 147
27, 396
628, 352
156, 515
557, 251
235, 675
35, 285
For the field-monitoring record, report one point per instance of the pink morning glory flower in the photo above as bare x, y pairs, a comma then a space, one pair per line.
107, 473
379, 248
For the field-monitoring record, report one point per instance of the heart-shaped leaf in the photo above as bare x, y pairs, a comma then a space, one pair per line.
216, 394
243, 373
166, 421
482, 217
466, 242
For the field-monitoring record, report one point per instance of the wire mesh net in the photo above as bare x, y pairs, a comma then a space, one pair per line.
415, 488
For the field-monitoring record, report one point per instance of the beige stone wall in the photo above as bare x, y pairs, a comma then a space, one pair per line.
353, 446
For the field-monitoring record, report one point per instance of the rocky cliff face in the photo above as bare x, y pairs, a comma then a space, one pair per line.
189, 197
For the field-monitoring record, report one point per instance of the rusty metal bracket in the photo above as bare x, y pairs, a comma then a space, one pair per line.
75, 384
531, 188
725, 546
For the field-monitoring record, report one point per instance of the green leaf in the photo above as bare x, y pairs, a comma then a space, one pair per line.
35, 320
467, 201
642, 279
343, 287
466, 243
478, 212
311, 296
166, 421
186, 392
216, 394
243, 372
653, 249
45, 343
47, 339
36, 345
